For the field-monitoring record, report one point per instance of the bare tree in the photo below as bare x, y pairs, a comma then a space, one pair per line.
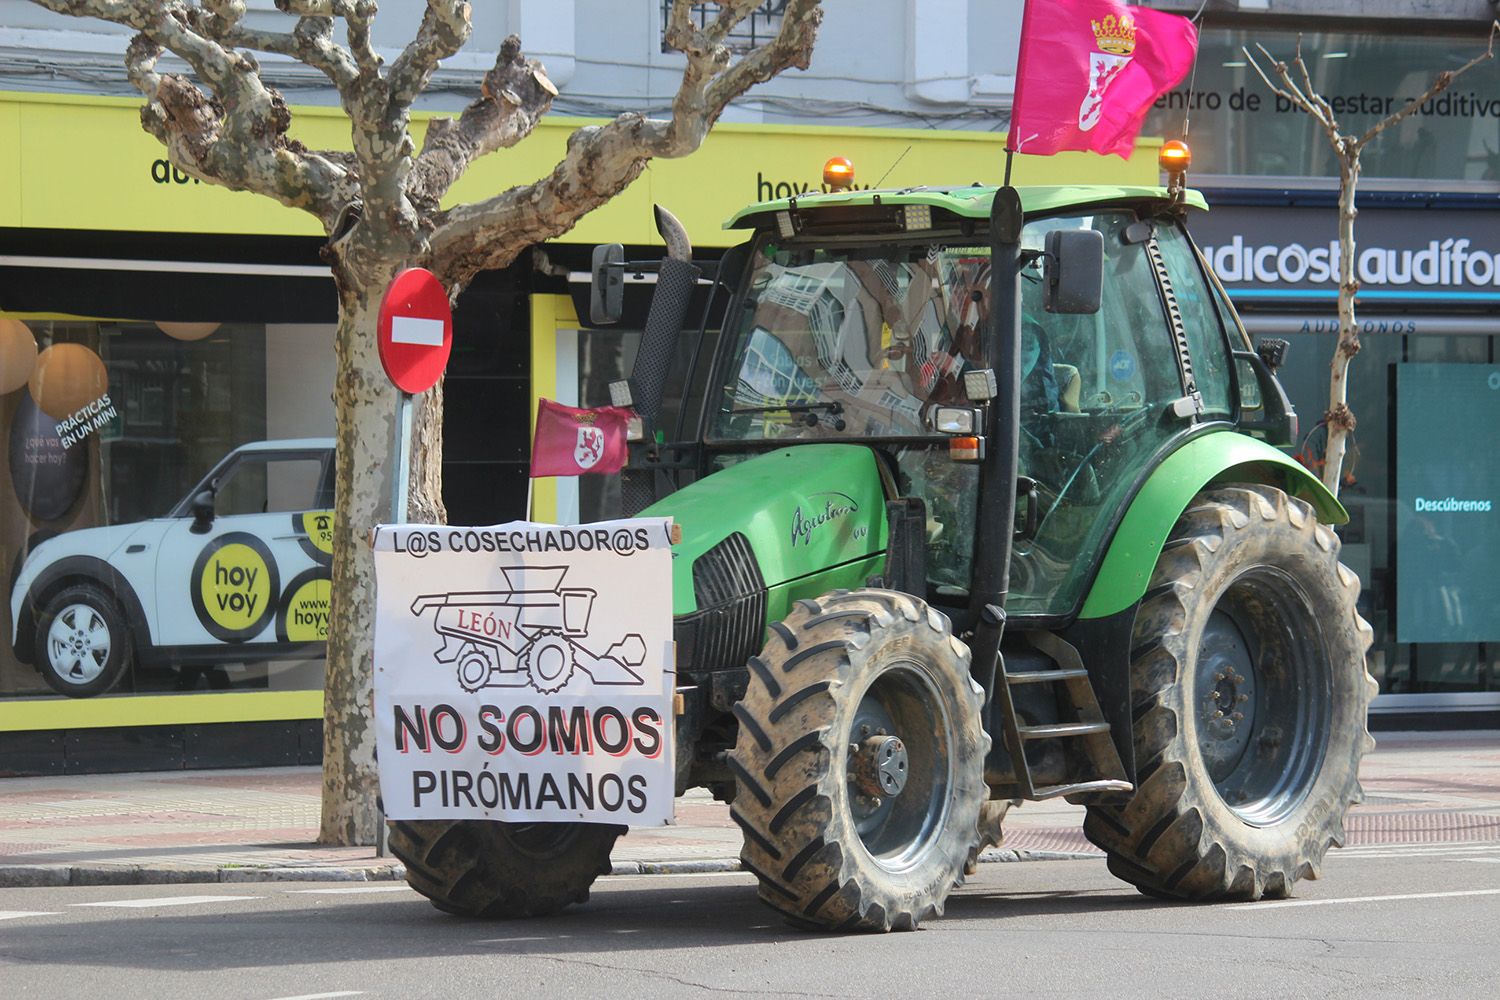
379, 205
1347, 148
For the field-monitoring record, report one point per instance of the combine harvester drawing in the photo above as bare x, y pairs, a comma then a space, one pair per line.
528, 634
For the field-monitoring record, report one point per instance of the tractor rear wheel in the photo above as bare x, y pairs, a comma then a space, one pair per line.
859, 763
1249, 698
483, 868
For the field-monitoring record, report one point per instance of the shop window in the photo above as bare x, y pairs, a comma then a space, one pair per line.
112, 435
1414, 588
1240, 128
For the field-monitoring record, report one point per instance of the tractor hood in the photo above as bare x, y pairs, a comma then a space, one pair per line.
795, 511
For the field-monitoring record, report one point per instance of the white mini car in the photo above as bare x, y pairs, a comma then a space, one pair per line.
237, 571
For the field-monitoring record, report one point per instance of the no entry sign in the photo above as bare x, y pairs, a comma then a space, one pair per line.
415, 330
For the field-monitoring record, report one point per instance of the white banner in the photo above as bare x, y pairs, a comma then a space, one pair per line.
524, 672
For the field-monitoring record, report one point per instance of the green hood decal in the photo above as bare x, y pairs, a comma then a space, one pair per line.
802, 509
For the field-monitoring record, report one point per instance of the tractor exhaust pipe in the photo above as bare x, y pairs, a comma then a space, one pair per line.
675, 283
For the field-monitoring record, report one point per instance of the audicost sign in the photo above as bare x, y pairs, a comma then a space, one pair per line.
524, 672
1400, 252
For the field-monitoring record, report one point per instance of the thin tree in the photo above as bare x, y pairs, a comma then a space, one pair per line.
380, 205
1347, 149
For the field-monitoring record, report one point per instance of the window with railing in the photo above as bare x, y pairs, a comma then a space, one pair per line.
757, 29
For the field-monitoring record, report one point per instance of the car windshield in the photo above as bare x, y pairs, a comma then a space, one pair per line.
853, 340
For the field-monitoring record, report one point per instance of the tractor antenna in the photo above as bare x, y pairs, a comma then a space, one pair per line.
1187, 109
892, 166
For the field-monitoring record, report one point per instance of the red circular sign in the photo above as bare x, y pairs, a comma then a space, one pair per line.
415, 330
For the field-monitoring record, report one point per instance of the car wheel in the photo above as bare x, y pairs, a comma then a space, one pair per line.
82, 643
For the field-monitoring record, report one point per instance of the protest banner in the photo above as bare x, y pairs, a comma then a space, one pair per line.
524, 672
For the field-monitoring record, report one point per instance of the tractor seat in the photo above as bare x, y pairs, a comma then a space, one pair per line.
1069, 388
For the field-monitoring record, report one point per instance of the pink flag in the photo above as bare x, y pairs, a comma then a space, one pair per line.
571, 441
1090, 70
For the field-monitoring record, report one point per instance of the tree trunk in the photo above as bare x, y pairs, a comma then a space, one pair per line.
1339, 420
365, 402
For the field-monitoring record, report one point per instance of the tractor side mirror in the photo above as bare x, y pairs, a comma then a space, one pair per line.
607, 287
203, 512
1265, 410
1075, 270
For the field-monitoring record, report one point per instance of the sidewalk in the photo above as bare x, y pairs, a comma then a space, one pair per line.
258, 825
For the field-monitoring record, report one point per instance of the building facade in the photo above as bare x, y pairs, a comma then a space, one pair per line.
156, 327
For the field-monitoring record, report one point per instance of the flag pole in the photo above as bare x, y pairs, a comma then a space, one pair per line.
1009, 155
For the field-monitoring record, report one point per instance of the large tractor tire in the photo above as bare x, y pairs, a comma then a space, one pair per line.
1249, 700
859, 763
481, 868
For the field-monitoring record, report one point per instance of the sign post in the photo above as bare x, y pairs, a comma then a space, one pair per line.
415, 337
414, 334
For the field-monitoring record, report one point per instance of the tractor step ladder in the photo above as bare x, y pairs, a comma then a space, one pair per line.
1075, 692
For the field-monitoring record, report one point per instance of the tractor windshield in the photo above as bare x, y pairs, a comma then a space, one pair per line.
858, 341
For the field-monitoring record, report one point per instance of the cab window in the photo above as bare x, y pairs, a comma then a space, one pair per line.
1205, 334
1096, 395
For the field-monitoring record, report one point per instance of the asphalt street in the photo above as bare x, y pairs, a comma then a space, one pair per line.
1384, 921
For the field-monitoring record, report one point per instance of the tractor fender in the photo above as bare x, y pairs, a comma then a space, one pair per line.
1206, 460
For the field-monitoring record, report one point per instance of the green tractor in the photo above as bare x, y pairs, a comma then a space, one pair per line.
980, 503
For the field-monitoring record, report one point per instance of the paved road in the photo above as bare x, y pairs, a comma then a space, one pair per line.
1384, 921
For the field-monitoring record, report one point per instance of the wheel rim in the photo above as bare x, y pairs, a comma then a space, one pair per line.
78, 644
551, 661
473, 670
1262, 696
900, 739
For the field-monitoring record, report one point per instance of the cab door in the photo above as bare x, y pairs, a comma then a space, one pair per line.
258, 572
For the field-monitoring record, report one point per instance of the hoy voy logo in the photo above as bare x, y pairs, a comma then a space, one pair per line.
234, 583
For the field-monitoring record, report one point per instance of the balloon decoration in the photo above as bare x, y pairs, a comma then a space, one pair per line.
187, 331
47, 477
17, 354
67, 378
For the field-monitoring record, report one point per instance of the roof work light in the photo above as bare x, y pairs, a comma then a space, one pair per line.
1175, 158
838, 174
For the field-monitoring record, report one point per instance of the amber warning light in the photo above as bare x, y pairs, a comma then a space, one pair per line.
1175, 157
838, 174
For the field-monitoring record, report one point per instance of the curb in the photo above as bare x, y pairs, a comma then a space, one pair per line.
53, 876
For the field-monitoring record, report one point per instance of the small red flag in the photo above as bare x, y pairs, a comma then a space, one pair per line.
571, 441
1090, 70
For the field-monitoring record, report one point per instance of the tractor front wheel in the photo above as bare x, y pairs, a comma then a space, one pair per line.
1249, 695
859, 763
483, 868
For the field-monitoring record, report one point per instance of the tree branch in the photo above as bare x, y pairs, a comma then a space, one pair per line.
310, 42
514, 96
236, 138
1289, 91
444, 30
601, 161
